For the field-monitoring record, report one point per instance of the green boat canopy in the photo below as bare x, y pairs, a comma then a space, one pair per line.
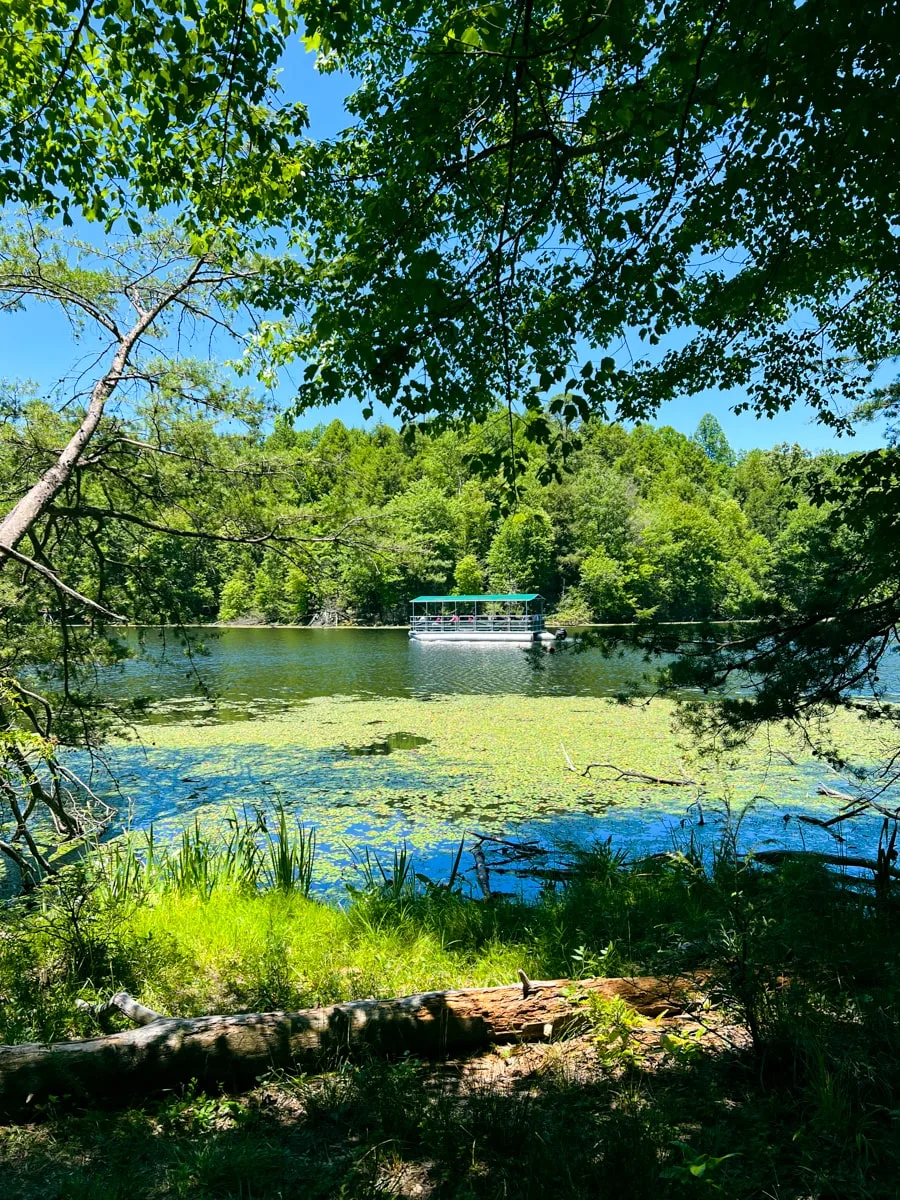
522, 596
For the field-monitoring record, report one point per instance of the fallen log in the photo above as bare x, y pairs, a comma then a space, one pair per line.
878, 866
234, 1050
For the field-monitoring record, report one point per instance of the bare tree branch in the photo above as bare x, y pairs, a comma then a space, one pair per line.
33, 565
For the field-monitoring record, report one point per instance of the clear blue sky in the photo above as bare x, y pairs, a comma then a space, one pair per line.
38, 344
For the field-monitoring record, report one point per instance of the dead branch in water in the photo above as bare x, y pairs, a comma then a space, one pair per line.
481, 872
626, 773
833, 794
775, 857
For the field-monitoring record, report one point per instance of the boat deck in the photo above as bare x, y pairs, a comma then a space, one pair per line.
509, 618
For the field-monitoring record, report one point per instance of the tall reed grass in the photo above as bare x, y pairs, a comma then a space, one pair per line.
255, 852
787, 1086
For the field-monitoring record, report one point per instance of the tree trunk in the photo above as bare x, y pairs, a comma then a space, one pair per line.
26, 511
234, 1050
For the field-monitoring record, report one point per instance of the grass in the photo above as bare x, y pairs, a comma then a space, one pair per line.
237, 951
787, 1087
364, 1132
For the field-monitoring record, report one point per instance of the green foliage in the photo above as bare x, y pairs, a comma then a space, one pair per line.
465, 162
237, 596
696, 1166
613, 1024
296, 594
468, 577
710, 437
290, 856
671, 1112
249, 855
645, 523
573, 609
98, 122
603, 586
691, 561
521, 554
600, 499
268, 589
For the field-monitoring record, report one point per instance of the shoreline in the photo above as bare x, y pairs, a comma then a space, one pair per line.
553, 624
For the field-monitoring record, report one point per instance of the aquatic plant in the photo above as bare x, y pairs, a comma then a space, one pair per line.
491, 764
290, 855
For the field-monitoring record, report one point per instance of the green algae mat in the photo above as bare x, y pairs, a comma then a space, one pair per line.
378, 773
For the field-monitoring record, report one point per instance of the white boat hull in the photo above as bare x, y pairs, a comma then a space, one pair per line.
522, 639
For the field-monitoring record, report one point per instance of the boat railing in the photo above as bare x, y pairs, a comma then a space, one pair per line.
463, 623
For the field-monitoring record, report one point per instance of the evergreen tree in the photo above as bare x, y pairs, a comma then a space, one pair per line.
710, 437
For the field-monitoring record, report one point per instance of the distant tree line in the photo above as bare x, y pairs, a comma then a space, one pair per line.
647, 524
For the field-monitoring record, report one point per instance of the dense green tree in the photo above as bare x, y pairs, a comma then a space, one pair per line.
475, 516
710, 437
468, 577
808, 554
663, 462
712, 179
520, 557
604, 507
98, 117
679, 565
237, 596
762, 489
603, 585
424, 520
269, 598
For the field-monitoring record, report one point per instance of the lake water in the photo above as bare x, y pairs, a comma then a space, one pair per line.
402, 789
230, 674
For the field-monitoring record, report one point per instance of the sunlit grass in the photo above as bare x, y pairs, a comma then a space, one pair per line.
239, 950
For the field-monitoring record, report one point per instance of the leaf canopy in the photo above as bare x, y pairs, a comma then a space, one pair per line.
111, 109
675, 196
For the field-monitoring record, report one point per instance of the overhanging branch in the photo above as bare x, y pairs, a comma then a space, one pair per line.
33, 565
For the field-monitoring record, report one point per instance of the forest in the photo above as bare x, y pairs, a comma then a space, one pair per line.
645, 524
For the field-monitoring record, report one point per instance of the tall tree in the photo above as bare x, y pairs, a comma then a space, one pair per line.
101, 487
111, 115
521, 553
710, 437
639, 202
